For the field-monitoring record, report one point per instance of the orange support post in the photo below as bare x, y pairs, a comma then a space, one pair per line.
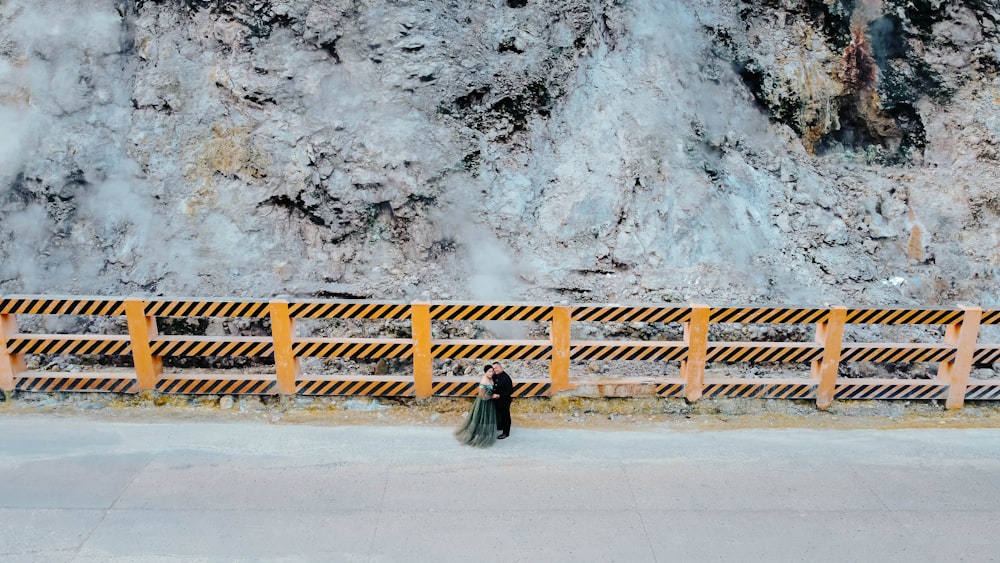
696, 338
829, 333
10, 364
286, 365
141, 329
963, 337
560, 336
423, 362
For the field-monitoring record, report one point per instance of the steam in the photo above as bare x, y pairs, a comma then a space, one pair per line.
64, 102
648, 116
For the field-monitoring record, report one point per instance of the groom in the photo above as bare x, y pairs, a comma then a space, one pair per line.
504, 387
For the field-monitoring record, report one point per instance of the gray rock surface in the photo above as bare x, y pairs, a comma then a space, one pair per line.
802, 152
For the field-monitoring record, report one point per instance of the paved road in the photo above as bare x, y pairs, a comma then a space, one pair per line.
74, 489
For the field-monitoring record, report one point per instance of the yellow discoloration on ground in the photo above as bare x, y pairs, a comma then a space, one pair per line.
569, 412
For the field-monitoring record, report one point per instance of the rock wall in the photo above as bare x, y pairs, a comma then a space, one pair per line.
583, 150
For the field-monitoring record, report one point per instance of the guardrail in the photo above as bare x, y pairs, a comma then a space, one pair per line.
958, 353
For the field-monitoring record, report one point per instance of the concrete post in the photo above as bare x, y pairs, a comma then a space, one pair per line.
423, 362
141, 329
286, 365
10, 364
829, 333
560, 336
963, 336
696, 338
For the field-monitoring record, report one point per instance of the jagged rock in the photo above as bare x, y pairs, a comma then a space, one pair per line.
335, 149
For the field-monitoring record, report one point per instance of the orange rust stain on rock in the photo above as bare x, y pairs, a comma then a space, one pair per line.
915, 249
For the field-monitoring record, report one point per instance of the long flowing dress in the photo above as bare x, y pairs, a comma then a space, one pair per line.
480, 427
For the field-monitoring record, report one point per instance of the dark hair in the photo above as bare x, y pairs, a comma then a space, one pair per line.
487, 368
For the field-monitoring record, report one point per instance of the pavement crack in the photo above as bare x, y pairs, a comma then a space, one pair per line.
638, 511
378, 515
871, 489
76, 552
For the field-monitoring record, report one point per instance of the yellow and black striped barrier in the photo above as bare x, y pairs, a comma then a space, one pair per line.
470, 388
202, 346
767, 315
71, 345
476, 312
763, 389
956, 355
95, 306
983, 391
646, 351
221, 385
672, 389
48, 382
763, 352
233, 309
495, 350
446, 388
904, 316
890, 390
733, 390
986, 356
624, 314
361, 348
360, 386
903, 353
990, 317
317, 309
799, 390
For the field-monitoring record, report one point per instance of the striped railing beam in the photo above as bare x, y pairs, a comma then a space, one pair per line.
318, 309
35, 305
603, 350
622, 313
987, 355
69, 344
481, 312
892, 352
990, 317
217, 384
491, 349
213, 346
963, 336
369, 386
768, 315
903, 316
11, 364
363, 348
781, 352
207, 308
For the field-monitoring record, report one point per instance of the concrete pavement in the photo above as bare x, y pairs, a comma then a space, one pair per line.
75, 489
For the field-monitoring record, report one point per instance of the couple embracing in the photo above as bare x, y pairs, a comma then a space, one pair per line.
491, 410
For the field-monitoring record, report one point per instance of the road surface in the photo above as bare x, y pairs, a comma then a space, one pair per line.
77, 489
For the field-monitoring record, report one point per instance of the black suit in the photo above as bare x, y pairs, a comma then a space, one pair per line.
503, 386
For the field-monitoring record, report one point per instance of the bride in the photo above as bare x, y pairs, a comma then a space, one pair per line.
480, 427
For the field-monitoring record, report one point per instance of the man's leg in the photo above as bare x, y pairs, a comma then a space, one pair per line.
504, 418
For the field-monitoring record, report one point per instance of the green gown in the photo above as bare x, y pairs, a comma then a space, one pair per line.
480, 427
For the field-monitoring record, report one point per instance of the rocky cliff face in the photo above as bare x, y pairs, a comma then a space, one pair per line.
586, 150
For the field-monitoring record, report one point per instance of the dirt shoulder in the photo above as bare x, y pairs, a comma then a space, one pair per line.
557, 412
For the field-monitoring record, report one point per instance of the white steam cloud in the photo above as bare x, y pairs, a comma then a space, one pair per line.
66, 182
